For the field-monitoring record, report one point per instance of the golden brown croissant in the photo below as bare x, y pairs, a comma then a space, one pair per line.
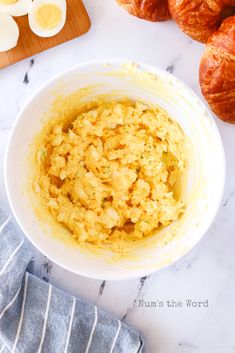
151, 10
217, 71
200, 18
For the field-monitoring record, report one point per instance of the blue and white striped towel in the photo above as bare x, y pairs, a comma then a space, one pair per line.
36, 317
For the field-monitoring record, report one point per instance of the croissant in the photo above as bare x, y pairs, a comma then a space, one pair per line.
200, 18
151, 10
217, 71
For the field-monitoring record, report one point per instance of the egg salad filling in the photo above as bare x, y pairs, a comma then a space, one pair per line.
110, 172
48, 16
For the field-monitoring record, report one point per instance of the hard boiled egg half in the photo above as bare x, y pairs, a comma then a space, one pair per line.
9, 32
15, 7
47, 17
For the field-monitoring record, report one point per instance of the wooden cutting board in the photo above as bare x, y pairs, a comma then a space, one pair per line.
77, 23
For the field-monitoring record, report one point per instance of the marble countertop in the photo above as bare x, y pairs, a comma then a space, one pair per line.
207, 273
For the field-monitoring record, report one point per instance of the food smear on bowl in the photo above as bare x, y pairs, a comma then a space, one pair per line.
109, 173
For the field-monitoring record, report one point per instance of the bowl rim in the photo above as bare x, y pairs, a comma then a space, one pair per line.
147, 68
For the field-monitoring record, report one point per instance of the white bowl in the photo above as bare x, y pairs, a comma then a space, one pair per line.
206, 170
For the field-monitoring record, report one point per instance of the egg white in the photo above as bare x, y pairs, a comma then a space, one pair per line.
36, 28
9, 32
19, 8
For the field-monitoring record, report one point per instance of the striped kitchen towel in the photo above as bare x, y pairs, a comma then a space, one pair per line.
36, 317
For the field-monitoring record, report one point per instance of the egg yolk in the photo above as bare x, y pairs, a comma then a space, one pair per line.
48, 16
8, 2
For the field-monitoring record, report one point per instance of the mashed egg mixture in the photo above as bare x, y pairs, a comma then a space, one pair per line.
109, 173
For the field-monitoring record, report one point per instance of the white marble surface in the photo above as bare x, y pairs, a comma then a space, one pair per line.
208, 271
